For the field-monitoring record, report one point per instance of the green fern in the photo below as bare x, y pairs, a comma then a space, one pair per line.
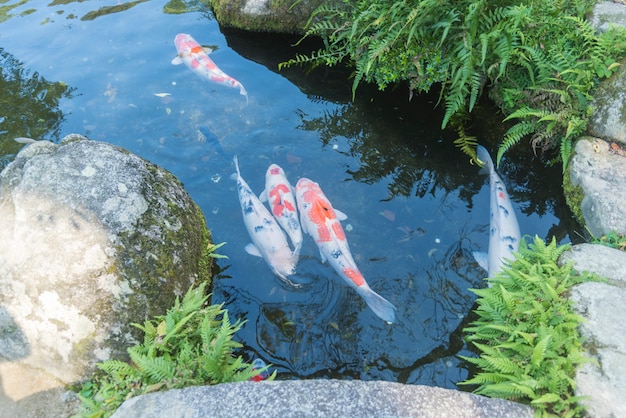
526, 332
541, 55
192, 344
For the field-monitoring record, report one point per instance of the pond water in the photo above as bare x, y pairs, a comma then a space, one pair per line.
416, 207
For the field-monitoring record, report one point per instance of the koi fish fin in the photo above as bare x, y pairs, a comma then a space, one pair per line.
177, 60
381, 306
482, 259
263, 196
207, 50
322, 256
340, 215
253, 250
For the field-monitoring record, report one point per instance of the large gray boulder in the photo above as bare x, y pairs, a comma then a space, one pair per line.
601, 383
595, 190
318, 398
92, 239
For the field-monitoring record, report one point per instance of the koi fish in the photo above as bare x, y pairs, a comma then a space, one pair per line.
268, 240
321, 222
283, 206
504, 234
197, 59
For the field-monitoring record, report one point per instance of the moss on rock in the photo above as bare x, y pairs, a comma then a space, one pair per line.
574, 197
281, 16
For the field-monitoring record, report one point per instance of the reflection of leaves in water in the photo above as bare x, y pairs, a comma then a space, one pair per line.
304, 338
33, 102
176, 7
402, 145
414, 166
171, 7
107, 10
6, 9
5, 160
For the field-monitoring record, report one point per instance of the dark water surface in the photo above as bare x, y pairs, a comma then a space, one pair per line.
416, 207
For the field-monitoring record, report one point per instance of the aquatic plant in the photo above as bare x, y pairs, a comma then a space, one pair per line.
192, 344
527, 332
539, 60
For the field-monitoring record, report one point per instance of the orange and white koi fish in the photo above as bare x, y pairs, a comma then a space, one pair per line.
197, 59
283, 205
504, 233
321, 222
268, 240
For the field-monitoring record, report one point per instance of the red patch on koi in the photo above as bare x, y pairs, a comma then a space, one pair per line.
275, 170
354, 275
318, 213
277, 207
501, 195
338, 230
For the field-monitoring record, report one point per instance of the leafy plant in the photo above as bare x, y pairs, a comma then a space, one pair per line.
527, 333
612, 239
212, 248
539, 59
192, 344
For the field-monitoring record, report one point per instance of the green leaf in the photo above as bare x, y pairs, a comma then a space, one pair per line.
546, 398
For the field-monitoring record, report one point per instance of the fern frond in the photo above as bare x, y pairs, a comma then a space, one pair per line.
539, 352
513, 136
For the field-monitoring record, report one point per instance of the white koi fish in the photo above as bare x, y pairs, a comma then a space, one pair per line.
268, 240
321, 222
283, 206
197, 59
504, 234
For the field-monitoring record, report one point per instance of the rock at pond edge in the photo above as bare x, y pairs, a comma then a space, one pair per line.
92, 239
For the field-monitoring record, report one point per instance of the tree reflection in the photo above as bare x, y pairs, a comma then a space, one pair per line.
29, 105
107, 10
402, 143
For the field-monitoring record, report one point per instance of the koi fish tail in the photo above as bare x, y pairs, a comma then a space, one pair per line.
243, 92
381, 306
483, 155
287, 281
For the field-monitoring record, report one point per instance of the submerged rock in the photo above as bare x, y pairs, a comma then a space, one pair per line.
92, 239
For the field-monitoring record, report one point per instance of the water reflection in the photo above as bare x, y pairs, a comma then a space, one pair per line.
30, 105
